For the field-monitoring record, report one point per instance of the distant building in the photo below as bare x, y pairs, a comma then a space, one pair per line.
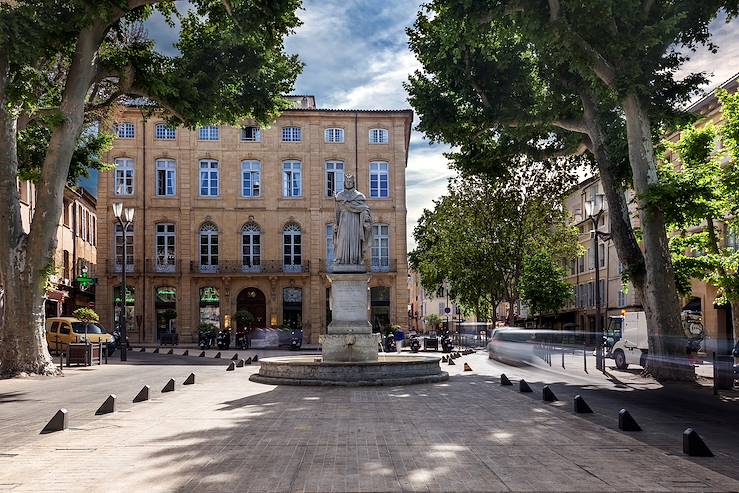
240, 219
424, 303
75, 258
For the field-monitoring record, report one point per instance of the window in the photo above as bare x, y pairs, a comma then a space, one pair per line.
165, 253
123, 176
251, 134
209, 133
333, 135
591, 294
621, 298
621, 267
291, 134
166, 175
380, 248
94, 231
83, 224
602, 255
250, 178
334, 177
330, 254
601, 291
208, 178
119, 248
251, 248
591, 259
378, 136
573, 267
379, 186
162, 131
292, 254
208, 248
291, 179
124, 130
732, 238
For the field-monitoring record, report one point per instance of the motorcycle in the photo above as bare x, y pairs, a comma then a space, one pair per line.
415, 344
241, 340
296, 340
116, 343
390, 343
446, 343
223, 341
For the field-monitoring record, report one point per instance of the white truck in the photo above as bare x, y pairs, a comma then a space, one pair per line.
626, 336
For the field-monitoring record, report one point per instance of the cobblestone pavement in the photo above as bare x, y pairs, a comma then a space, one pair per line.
226, 433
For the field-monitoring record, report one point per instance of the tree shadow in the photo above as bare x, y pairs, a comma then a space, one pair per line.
7, 397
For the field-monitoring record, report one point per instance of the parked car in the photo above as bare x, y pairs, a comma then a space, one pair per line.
62, 331
512, 345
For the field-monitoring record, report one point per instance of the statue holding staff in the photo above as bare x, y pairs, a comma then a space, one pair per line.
353, 229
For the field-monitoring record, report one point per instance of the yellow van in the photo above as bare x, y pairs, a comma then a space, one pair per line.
61, 331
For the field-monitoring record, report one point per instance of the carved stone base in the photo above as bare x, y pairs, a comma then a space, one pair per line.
349, 347
349, 304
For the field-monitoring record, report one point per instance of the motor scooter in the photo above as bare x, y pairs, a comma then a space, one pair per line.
205, 339
296, 340
223, 340
390, 346
241, 341
415, 343
446, 342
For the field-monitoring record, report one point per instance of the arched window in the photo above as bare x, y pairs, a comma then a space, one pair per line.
292, 248
208, 248
251, 248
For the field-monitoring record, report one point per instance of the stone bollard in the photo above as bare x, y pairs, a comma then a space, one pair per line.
523, 386
255, 359
169, 387
143, 394
581, 407
186, 353
190, 380
626, 422
504, 380
248, 361
443, 359
218, 355
547, 395
693, 444
108, 406
142, 350
451, 362
156, 351
58, 423
202, 354
235, 357
467, 367
231, 366
240, 363
171, 351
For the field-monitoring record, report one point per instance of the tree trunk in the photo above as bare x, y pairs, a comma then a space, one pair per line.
667, 343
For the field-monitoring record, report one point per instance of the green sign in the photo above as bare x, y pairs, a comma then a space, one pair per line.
209, 296
129, 296
84, 281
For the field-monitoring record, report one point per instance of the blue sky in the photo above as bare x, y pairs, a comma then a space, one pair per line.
356, 56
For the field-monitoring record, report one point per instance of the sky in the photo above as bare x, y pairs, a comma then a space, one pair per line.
356, 56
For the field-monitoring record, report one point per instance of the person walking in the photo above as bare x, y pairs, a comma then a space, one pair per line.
399, 337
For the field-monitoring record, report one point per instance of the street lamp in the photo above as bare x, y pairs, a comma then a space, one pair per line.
594, 209
125, 218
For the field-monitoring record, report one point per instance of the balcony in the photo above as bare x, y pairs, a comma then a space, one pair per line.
237, 267
111, 267
390, 265
163, 267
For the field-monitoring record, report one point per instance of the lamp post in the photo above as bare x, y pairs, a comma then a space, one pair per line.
594, 209
125, 218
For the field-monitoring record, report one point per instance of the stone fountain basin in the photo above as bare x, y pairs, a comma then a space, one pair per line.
389, 369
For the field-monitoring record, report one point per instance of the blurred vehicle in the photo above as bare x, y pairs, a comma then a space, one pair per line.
62, 331
206, 336
512, 345
446, 342
389, 343
223, 339
415, 343
296, 339
629, 333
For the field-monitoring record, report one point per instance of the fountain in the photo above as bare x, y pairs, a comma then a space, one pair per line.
350, 351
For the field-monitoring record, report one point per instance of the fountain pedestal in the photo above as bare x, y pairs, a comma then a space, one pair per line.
349, 336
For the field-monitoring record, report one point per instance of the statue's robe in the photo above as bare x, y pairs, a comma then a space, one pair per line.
353, 227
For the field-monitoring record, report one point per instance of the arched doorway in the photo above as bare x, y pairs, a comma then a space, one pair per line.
253, 301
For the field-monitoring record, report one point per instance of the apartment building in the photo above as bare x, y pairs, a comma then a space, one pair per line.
240, 219
75, 258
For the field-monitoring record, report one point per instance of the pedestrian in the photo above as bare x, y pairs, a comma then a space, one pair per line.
399, 336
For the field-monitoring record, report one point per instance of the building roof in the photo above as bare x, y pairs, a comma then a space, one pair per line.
702, 104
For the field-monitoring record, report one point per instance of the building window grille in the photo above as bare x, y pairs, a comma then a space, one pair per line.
379, 180
333, 135
162, 131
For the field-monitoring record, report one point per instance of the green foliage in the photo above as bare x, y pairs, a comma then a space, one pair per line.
244, 317
169, 314
86, 315
479, 233
697, 191
543, 287
207, 329
433, 320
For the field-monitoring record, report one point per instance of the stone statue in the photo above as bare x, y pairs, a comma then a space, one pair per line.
353, 229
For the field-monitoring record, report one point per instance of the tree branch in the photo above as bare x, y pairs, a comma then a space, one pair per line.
475, 86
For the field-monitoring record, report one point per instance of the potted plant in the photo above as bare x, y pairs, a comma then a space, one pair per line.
86, 316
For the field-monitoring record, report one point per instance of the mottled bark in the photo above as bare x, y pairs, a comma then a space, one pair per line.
667, 343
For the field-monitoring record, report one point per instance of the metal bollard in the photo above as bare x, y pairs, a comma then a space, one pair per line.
563, 358
585, 359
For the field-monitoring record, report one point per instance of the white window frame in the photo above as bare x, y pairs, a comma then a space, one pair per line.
380, 247
333, 135
162, 131
334, 172
208, 251
621, 298
330, 249
166, 169
379, 136
292, 134
251, 172
292, 179
165, 247
378, 171
251, 248
209, 133
257, 134
118, 247
125, 130
292, 250
208, 174
124, 177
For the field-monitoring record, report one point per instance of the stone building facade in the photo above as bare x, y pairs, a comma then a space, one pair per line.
75, 257
231, 219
